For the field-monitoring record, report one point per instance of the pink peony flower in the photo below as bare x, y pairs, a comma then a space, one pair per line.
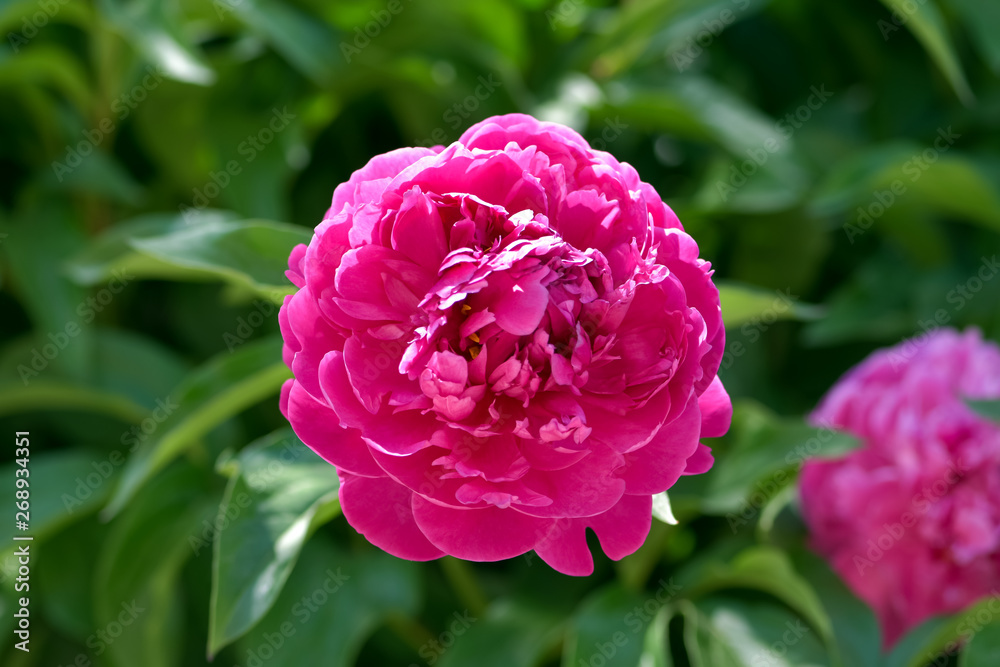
911, 521
500, 344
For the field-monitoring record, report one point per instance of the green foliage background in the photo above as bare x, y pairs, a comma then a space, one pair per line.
146, 216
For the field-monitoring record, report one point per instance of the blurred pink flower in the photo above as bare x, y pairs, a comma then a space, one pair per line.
500, 344
911, 520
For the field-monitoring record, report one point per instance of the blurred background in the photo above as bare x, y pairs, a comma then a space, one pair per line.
838, 163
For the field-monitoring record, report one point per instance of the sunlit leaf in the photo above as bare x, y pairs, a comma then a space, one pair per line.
279, 490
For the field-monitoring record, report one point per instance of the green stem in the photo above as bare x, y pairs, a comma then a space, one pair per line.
411, 631
464, 583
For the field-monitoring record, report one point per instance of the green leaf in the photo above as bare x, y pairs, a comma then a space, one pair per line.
52, 67
153, 31
723, 632
47, 395
768, 570
40, 238
759, 457
925, 21
130, 372
988, 409
65, 584
221, 388
54, 480
984, 649
278, 494
140, 562
112, 250
856, 638
743, 303
656, 648
940, 634
252, 253
306, 42
982, 21
512, 632
606, 629
330, 605
98, 174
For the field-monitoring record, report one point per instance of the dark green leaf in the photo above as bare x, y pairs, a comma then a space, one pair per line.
606, 629
135, 584
222, 387
984, 649
253, 253
329, 606
743, 303
279, 490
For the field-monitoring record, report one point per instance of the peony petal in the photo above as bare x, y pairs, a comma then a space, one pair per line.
586, 488
380, 169
716, 410
379, 509
621, 531
488, 534
565, 548
315, 337
623, 528
519, 306
700, 462
391, 432
318, 427
418, 231
655, 467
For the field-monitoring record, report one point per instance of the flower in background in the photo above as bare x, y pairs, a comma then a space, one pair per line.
912, 519
500, 344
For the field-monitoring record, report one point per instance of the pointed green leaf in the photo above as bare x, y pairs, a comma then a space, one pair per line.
925, 21
221, 388
279, 491
743, 303
331, 603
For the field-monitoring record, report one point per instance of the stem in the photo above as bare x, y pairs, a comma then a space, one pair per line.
411, 631
464, 583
